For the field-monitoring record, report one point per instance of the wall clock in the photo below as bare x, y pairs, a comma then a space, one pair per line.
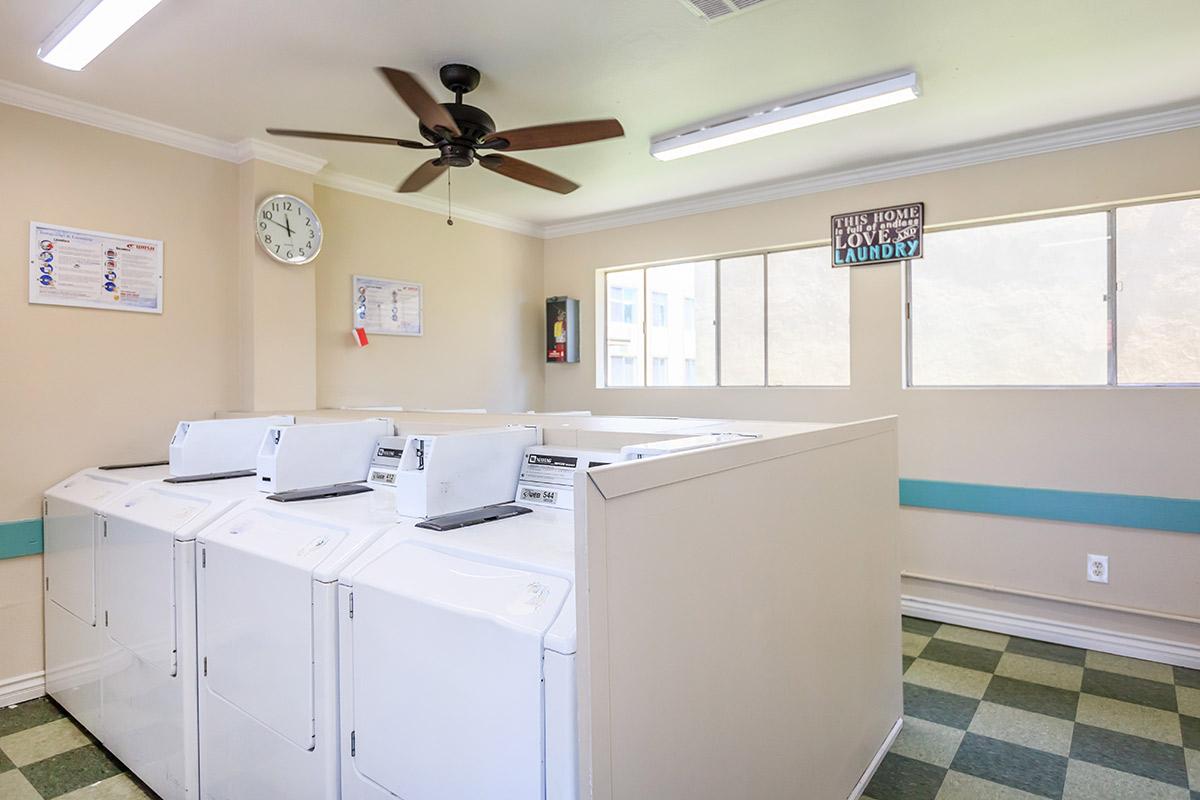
288, 229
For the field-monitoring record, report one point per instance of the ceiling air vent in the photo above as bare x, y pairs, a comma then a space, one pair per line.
720, 9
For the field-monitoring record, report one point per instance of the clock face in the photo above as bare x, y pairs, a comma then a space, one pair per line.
288, 229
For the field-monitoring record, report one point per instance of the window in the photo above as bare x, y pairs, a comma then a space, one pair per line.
622, 371
658, 371
679, 287
625, 341
1016, 304
1158, 293
658, 307
792, 306
1035, 303
622, 302
808, 320
743, 306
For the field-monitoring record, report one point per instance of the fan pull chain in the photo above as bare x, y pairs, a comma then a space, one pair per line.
449, 201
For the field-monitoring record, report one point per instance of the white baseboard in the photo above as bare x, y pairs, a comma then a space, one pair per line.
1180, 654
22, 687
876, 761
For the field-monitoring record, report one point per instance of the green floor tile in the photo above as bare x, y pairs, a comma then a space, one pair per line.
940, 707
961, 655
1086, 781
1048, 651
922, 626
905, 663
1026, 728
1136, 720
1132, 690
1032, 697
985, 639
1191, 731
902, 778
927, 741
1040, 670
29, 714
1133, 667
5, 763
1023, 768
71, 770
1132, 754
1187, 677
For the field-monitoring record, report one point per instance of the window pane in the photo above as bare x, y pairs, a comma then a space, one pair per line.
808, 319
742, 345
683, 297
1158, 302
1017, 304
624, 343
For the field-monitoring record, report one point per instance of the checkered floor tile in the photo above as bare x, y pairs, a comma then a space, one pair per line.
44, 754
991, 717
986, 717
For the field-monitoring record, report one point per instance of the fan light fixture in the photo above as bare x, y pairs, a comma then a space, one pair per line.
90, 28
788, 116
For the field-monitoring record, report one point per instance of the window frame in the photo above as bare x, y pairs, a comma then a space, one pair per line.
1112, 289
603, 274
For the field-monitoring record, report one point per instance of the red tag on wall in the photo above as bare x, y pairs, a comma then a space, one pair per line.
360, 337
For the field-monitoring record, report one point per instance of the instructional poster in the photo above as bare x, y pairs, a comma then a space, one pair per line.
392, 308
74, 267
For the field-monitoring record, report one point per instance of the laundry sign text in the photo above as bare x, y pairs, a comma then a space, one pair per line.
879, 235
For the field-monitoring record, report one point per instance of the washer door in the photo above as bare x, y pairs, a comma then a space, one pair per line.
447, 675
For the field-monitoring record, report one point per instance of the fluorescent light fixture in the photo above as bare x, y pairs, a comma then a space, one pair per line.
788, 116
90, 28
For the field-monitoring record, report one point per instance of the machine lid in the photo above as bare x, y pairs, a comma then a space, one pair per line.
172, 508
91, 487
519, 599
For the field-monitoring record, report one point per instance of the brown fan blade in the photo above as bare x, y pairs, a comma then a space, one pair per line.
422, 176
527, 173
429, 111
346, 137
557, 135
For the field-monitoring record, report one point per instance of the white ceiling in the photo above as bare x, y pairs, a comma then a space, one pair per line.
229, 68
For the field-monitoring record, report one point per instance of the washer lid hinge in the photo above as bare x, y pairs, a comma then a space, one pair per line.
353, 744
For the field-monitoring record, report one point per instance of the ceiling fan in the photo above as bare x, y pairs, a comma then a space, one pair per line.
458, 131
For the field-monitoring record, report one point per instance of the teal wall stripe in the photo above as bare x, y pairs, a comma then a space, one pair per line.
1094, 508
22, 537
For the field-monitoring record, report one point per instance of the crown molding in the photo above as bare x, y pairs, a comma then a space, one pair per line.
382, 191
1162, 121
256, 149
14, 94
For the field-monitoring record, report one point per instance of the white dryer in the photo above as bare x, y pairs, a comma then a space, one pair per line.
71, 532
457, 670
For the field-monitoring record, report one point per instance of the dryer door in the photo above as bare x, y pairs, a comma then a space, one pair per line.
447, 675
256, 616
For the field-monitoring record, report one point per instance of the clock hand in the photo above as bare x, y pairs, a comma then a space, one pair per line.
280, 224
289, 226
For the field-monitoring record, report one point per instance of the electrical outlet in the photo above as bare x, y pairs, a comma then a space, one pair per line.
1097, 568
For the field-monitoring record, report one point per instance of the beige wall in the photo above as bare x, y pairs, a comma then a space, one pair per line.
1138, 441
277, 319
85, 386
483, 310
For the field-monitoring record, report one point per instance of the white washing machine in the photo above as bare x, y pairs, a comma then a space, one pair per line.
71, 533
148, 619
266, 623
267, 630
457, 674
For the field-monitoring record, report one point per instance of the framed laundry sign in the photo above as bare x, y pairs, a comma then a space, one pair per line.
878, 235
389, 307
